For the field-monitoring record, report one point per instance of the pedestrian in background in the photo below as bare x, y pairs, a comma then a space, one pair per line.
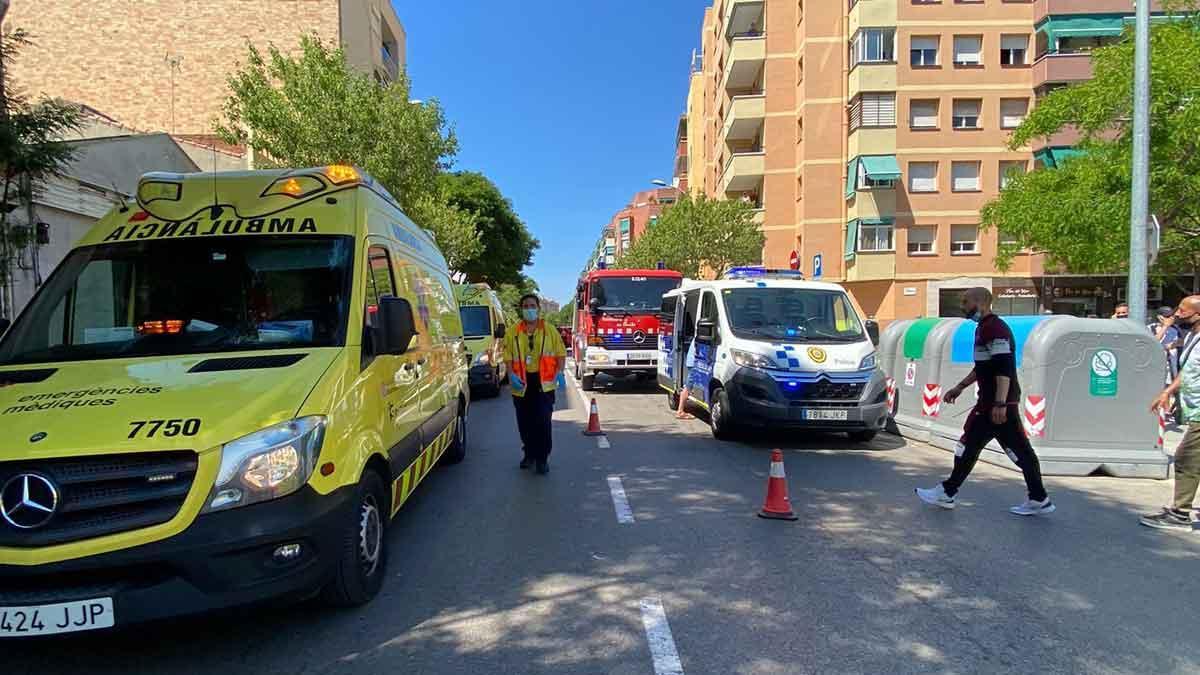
996, 414
1121, 312
689, 362
536, 357
1168, 337
1178, 516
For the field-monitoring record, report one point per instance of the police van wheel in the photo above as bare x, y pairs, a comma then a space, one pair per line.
673, 400
457, 451
719, 419
864, 436
362, 565
588, 382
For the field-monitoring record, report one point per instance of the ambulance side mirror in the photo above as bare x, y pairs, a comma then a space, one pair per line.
500, 332
873, 331
396, 328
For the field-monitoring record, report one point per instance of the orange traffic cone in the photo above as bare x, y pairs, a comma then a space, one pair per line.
593, 428
777, 506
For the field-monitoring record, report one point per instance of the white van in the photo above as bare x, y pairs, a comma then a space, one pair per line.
773, 349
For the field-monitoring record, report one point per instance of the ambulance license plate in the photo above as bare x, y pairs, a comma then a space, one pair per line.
65, 617
820, 415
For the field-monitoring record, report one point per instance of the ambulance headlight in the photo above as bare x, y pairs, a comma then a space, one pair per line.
752, 360
267, 464
868, 361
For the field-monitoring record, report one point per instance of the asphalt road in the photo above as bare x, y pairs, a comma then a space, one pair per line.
495, 570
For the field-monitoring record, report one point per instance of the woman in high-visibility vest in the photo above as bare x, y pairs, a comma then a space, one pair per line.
536, 358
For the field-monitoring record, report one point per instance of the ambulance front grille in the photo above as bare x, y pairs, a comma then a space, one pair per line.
99, 496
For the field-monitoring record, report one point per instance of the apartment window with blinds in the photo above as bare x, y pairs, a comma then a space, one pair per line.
873, 110
875, 237
1009, 169
922, 176
873, 45
1013, 49
964, 239
922, 240
923, 113
965, 176
966, 113
1012, 112
923, 51
968, 50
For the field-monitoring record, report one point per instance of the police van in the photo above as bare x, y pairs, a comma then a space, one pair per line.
764, 347
221, 396
484, 329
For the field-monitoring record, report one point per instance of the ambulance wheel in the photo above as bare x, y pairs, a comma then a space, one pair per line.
864, 436
494, 390
588, 382
362, 563
457, 451
723, 428
673, 401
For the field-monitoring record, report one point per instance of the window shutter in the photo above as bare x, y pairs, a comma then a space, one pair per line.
967, 48
923, 43
922, 176
1014, 42
1012, 111
923, 113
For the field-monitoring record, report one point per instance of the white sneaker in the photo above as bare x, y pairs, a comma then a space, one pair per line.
936, 496
1032, 508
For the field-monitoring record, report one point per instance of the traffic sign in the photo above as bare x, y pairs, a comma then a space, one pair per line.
794, 261
817, 267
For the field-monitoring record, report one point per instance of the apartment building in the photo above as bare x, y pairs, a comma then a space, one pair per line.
163, 65
630, 223
869, 133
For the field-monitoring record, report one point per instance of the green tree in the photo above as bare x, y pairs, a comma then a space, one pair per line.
312, 109
506, 244
31, 150
565, 316
1078, 213
699, 235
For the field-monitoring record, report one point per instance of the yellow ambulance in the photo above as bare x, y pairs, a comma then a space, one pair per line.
220, 397
483, 327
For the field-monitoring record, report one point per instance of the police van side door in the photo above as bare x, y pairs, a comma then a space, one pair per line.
706, 352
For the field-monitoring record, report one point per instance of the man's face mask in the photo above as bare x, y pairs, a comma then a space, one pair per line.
530, 314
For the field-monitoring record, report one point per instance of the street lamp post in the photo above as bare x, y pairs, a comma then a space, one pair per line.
1140, 193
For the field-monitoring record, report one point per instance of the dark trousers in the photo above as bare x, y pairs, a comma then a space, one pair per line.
535, 411
978, 432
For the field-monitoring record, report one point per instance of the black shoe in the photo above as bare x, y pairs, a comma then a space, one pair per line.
1168, 520
526, 463
543, 468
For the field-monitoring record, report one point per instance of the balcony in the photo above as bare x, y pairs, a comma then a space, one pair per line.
745, 119
1046, 8
1062, 68
744, 64
743, 172
743, 17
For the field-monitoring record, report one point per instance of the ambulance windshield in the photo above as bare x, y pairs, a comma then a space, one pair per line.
476, 320
792, 315
188, 296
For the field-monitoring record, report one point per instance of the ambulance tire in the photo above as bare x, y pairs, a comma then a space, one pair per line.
588, 382
723, 427
864, 436
494, 390
362, 565
457, 451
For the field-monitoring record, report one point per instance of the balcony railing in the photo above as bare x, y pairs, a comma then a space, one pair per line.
745, 118
743, 171
744, 64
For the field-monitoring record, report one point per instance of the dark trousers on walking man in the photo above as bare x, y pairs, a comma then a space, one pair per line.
535, 413
978, 432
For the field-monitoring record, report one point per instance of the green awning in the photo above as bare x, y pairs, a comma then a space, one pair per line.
851, 239
851, 177
881, 167
1080, 25
1054, 157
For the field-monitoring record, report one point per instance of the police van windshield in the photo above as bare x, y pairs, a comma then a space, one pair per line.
633, 294
188, 296
477, 321
792, 315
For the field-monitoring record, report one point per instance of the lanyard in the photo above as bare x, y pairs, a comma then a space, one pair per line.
541, 352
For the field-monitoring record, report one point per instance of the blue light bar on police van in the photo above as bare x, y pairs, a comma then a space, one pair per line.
758, 272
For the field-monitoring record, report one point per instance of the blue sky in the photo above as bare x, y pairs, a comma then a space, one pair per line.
570, 107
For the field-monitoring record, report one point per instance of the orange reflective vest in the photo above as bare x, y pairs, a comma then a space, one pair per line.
547, 364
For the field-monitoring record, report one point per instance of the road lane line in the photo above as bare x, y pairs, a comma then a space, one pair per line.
620, 502
602, 443
658, 635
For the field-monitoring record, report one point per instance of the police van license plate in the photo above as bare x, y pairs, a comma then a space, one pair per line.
66, 617
640, 356
819, 415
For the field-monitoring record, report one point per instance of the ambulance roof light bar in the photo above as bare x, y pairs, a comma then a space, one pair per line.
759, 272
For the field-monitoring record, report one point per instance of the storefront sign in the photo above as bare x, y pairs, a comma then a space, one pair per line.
1015, 292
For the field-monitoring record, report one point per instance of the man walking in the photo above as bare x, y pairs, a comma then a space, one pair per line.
996, 414
1187, 456
536, 356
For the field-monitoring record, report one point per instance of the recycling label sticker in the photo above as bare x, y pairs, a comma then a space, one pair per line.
1104, 374
910, 374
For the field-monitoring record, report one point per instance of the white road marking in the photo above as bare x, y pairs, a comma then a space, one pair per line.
658, 635
602, 443
620, 502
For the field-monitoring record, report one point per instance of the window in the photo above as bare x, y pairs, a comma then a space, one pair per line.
652, 222
923, 113
1009, 169
964, 239
380, 282
965, 176
1012, 49
967, 49
708, 308
873, 110
923, 51
966, 113
624, 224
873, 45
875, 237
922, 176
865, 182
922, 240
1012, 112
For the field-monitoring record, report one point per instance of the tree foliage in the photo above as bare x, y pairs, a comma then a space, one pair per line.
506, 246
312, 109
699, 235
565, 316
1078, 213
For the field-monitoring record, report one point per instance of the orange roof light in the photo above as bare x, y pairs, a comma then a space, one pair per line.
341, 173
160, 327
291, 187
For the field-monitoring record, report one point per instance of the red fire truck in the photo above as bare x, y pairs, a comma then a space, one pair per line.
618, 319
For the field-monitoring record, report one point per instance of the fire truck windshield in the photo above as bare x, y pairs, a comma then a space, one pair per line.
632, 294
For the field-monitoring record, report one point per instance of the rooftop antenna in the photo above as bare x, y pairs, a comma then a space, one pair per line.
120, 197
173, 64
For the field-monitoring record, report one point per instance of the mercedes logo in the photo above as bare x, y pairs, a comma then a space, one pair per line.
639, 337
28, 501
